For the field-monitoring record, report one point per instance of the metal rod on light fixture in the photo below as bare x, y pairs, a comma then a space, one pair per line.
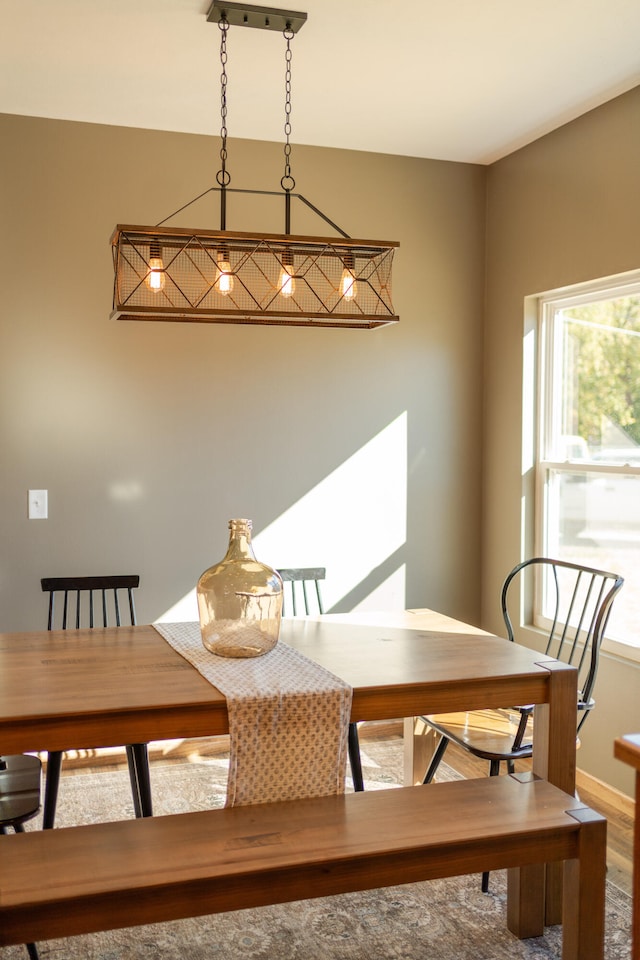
262, 193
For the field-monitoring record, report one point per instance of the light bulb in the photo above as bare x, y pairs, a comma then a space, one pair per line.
155, 279
348, 285
287, 283
224, 278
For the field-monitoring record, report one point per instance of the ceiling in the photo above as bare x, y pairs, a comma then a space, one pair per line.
447, 79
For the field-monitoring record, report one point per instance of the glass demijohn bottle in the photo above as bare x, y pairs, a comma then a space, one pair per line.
240, 600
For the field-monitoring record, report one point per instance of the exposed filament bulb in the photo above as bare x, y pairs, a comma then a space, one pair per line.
155, 278
348, 285
287, 283
224, 277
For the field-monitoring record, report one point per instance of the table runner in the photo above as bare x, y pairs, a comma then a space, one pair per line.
288, 719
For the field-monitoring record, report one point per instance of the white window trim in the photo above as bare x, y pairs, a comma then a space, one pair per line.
626, 284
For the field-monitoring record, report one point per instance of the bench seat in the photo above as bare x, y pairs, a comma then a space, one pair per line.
77, 880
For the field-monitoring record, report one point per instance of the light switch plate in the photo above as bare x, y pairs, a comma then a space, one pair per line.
38, 504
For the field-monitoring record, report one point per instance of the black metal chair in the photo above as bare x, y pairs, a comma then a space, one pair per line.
576, 609
79, 609
304, 577
19, 799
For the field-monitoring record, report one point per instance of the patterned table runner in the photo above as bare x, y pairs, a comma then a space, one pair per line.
288, 719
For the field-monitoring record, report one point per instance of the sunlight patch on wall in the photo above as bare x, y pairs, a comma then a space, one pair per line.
184, 611
351, 522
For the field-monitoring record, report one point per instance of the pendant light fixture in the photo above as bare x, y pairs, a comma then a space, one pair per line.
221, 276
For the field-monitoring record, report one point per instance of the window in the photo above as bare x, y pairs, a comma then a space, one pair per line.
588, 466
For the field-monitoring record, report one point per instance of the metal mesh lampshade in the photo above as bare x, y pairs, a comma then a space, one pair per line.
223, 277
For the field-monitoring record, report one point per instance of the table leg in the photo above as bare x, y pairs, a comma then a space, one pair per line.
554, 758
419, 744
525, 901
532, 901
584, 883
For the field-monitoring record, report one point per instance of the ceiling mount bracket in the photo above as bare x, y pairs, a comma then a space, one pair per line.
262, 18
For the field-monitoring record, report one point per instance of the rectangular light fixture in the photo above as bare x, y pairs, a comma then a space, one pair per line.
209, 276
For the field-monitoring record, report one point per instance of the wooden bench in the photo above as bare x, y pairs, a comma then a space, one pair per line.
64, 882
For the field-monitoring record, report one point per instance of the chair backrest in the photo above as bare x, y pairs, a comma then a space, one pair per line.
75, 590
575, 603
302, 576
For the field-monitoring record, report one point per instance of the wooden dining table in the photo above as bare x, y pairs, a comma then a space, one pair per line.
84, 689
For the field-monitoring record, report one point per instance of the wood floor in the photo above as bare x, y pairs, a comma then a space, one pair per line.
619, 814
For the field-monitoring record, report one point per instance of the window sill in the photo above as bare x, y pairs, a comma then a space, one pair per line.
621, 650
536, 639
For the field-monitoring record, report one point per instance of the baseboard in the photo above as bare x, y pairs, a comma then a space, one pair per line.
102, 758
605, 794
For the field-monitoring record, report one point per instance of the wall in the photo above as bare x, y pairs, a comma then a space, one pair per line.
149, 437
563, 210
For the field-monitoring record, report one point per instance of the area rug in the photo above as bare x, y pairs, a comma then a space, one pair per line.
437, 920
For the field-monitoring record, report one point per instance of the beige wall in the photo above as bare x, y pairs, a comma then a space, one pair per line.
149, 437
563, 210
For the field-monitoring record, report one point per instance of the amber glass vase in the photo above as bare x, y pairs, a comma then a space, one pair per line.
240, 600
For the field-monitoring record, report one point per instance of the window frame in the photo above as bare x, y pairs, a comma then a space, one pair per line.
548, 467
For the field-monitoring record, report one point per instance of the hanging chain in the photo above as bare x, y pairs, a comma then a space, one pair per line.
287, 183
223, 177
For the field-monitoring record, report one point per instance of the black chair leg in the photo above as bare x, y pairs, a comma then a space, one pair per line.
52, 782
138, 760
354, 758
494, 770
435, 760
32, 950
